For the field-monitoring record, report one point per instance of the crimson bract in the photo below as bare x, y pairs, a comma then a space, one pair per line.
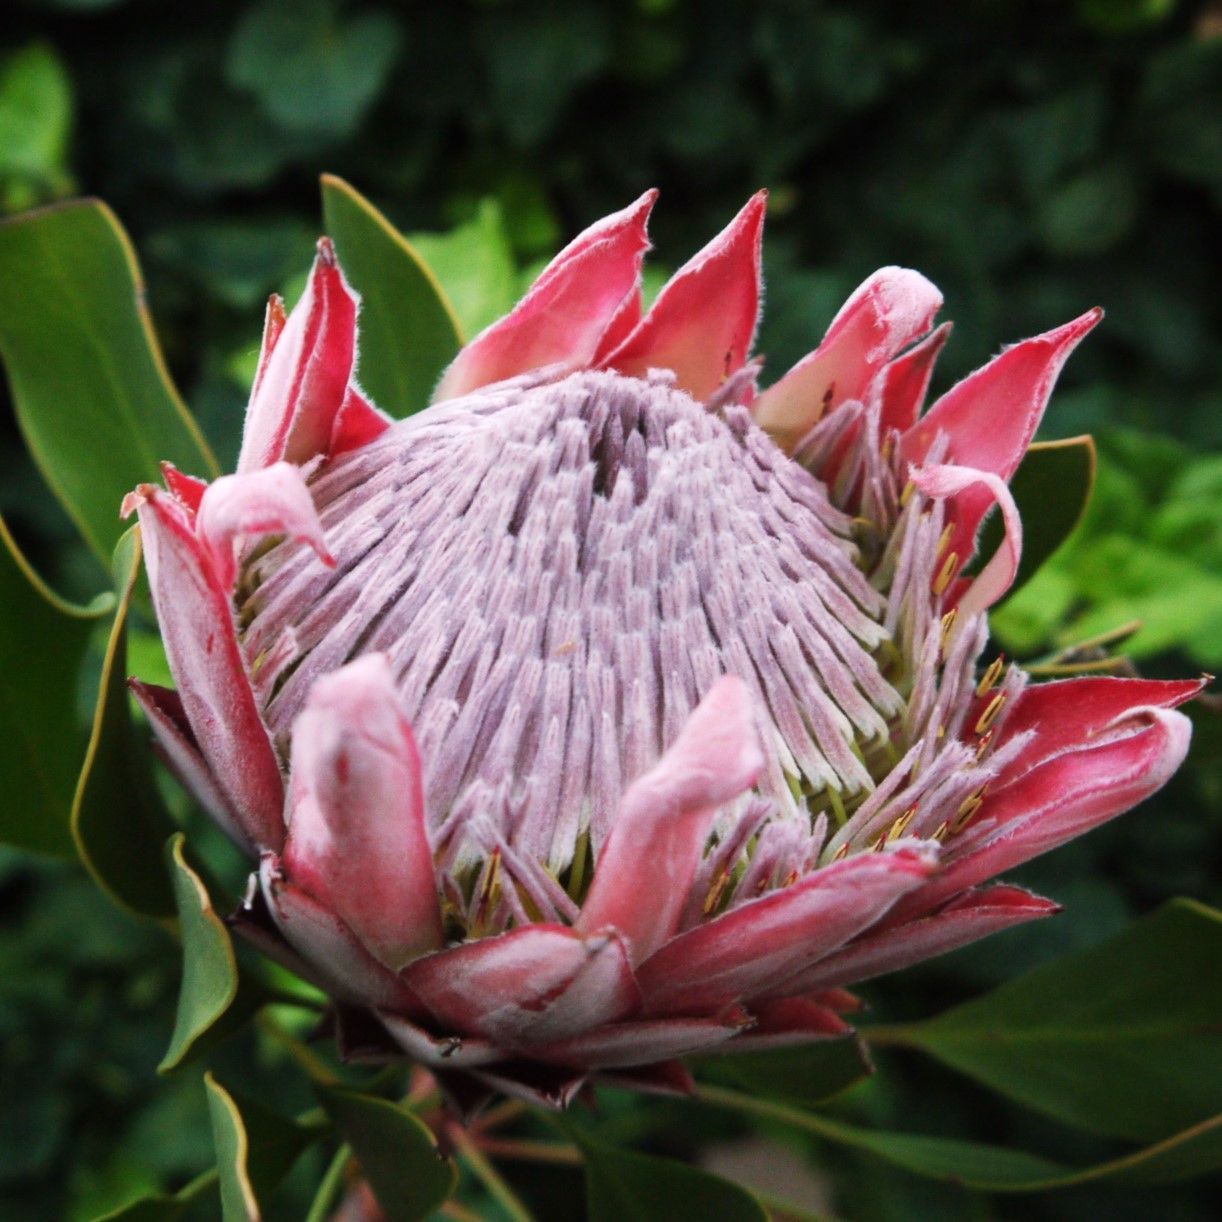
612, 708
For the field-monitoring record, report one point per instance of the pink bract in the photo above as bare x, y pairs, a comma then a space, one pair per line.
612, 708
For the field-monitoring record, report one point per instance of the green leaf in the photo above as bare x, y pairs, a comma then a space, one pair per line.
409, 333
1194, 1151
1052, 488
1188, 519
1178, 602
42, 646
805, 1075
1123, 1039
313, 69
92, 393
255, 1147
162, 1206
35, 121
474, 263
623, 1186
397, 1153
209, 968
118, 822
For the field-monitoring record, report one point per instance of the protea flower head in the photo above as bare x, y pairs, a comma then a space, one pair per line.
612, 709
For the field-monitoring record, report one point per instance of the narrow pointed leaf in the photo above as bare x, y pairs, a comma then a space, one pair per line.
163, 1206
409, 332
623, 1186
1052, 488
118, 822
42, 648
255, 1147
1122, 1039
209, 968
95, 608
92, 393
474, 263
396, 1151
1191, 1152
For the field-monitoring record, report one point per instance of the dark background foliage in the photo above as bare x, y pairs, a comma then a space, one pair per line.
1033, 159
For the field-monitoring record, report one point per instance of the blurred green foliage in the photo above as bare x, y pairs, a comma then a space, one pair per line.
1032, 158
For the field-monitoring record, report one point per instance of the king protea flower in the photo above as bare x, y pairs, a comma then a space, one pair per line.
613, 709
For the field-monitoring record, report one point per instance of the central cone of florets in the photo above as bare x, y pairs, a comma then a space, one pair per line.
557, 573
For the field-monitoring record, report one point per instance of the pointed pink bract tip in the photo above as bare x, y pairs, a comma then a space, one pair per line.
133, 500
702, 324
719, 746
1003, 895
582, 300
1176, 731
900, 305
641, 207
326, 251
356, 702
272, 500
357, 685
749, 223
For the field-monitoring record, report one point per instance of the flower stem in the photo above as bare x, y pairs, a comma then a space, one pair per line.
524, 1150
286, 997
309, 1060
887, 1035
503, 1113
812, 1122
488, 1175
460, 1213
331, 1183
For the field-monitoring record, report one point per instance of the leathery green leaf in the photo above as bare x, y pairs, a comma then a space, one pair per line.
624, 1186
209, 968
163, 1206
118, 822
409, 332
475, 264
42, 649
396, 1151
1123, 1039
805, 1075
1052, 488
1194, 1151
93, 397
255, 1147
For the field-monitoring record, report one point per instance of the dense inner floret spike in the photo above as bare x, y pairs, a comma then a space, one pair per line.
556, 576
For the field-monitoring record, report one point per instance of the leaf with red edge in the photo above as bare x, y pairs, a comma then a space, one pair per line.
1191, 1152
210, 1003
397, 1153
93, 397
1123, 1039
42, 649
118, 821
255, 1147
409, 332
624, 1186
